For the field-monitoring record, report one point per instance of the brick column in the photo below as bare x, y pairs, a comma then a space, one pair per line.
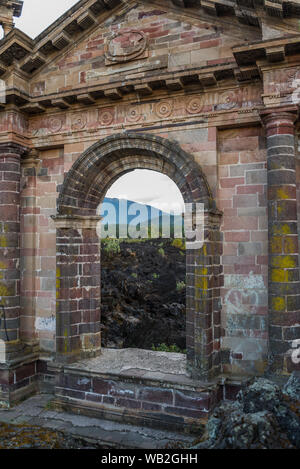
283, 284
204, 280
78, 288
10, 173
29, 263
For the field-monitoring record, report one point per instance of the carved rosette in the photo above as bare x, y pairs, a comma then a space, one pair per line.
228, 100
106, 116
78, 121
195, 105
133, 114
163, 109
54, 124
124, 46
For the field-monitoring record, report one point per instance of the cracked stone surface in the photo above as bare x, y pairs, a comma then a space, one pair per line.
147, 364
35, 415
120, 360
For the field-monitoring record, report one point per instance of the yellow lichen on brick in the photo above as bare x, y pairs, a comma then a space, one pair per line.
204, 250
279, 275
289, 245
282, 229
285, 262
278, 303
276, 244
281, 194
4, 291
57, 281
3, 241
66, 340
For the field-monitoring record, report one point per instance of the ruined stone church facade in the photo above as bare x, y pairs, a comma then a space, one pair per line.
204, 91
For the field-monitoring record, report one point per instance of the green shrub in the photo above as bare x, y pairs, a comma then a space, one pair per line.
161, 252
155, 275
168, 348
180, 286
178, 243
111, 246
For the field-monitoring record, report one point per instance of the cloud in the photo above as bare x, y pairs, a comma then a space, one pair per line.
37, 15
148, 187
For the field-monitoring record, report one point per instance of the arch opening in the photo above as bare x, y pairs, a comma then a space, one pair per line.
78, 253
143, 264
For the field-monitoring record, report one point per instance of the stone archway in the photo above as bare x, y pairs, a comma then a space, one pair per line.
78, 247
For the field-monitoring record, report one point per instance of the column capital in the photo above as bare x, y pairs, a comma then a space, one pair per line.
279, 114
76, 221
13, 149
30, 158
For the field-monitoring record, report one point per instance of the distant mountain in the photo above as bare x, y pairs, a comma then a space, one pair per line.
121, 212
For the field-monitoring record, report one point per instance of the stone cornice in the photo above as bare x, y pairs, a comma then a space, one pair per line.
15, 5
201, 78
246, 11
274, 50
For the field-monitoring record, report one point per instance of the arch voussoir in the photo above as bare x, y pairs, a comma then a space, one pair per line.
84, 188
131, 151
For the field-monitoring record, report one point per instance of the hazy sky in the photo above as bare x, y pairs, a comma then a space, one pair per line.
141, 186
38, 14
148, 187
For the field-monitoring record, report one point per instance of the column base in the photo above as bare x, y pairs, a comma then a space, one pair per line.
18, 372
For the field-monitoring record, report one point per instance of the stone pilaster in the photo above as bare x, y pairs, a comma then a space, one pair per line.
283, 283
29, 261
10, 173
78, 288
204, 280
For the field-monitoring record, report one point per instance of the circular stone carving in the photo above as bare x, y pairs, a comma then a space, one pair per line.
164, 109
54, 124
106, 116
78, 121
195, 105
228, 100
125, 45
133, 114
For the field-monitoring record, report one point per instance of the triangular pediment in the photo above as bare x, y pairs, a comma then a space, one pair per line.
107, 48
143, 39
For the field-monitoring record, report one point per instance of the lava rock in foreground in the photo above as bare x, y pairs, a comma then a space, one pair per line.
143, 294
263, 417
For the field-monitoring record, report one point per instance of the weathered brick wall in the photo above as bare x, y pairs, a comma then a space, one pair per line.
78, 292
53, 166
238, 179
189, 111
38, 252
136, 400
242, 197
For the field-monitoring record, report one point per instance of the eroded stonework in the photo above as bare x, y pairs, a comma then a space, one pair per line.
205, 92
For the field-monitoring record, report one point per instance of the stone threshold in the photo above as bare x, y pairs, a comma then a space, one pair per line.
147, 366
139, 387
